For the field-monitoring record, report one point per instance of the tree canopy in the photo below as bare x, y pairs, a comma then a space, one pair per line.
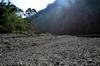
30, 12
11, 22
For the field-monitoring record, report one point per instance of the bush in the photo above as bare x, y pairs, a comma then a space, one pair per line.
10, 22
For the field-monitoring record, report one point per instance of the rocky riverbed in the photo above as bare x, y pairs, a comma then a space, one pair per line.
49, 50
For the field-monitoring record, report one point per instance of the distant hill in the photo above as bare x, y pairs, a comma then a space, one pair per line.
69, 17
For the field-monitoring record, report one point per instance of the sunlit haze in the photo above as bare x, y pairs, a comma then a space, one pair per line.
36, 4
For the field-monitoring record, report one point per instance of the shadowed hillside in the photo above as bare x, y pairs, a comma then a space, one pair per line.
73, 17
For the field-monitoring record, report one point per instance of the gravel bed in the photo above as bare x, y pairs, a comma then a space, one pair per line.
49, 51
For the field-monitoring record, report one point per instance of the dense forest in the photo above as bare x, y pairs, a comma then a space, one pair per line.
11, 20
69, 17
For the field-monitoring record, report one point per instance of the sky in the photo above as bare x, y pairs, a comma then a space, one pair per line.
36, 4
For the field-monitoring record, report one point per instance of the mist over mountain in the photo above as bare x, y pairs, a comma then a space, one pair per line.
69, 17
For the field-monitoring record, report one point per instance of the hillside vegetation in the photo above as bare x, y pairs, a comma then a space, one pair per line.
11, 20
76, 18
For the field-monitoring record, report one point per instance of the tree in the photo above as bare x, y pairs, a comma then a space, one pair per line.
10, 22
30, 12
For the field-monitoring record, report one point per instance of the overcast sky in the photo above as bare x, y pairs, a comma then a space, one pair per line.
36, 4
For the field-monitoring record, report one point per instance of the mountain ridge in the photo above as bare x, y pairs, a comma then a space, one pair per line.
77, 18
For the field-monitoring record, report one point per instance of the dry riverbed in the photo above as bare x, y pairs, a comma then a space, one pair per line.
48, 50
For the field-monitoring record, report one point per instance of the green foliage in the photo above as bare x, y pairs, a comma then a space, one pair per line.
30, 12
10, 22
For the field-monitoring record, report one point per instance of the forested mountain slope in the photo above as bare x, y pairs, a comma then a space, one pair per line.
69, 17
